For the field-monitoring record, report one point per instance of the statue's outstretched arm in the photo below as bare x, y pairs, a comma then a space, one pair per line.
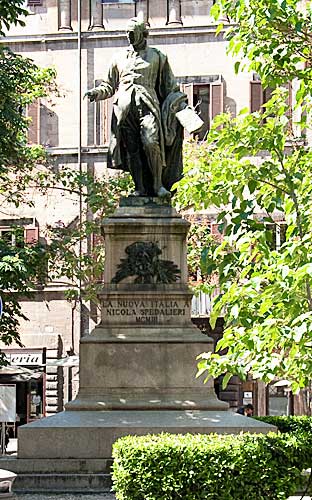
107, 88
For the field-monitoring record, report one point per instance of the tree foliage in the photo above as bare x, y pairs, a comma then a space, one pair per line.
21, 82
21, 268
272, 38
257, 171
76, 253
66, 255
199, 240
10, 13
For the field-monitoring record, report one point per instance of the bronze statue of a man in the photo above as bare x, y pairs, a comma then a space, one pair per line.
146, 136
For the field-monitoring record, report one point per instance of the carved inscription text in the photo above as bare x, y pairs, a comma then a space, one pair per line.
147, 311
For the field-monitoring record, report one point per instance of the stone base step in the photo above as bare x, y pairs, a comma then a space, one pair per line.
52, 466
88, 435
60, 483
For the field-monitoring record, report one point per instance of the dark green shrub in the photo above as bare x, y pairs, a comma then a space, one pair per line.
290, 423
200, 467
301, 426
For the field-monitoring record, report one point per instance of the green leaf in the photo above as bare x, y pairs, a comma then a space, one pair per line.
225, 380
215, 11
237, 66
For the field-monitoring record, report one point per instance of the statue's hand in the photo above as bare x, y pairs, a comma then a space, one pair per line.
91, 94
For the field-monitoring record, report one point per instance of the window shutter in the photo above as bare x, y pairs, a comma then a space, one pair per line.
33, 112
98, 119
99, 126
288, 87
188, 89
97, 240
103, 118
214, 230
31, 235
108, 111
256, 96
267, 94
216, 99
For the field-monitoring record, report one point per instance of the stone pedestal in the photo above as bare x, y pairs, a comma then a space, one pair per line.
138, 366
143, 353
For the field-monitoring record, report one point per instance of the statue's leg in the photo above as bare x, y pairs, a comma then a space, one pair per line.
154, 162
149, 131
135, 167
130, 135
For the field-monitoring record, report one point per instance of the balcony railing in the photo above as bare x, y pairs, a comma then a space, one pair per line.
202, 303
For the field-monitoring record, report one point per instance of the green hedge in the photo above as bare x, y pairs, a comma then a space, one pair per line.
290, 424
200, 467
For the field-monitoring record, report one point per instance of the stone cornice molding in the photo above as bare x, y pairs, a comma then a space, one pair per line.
154, 34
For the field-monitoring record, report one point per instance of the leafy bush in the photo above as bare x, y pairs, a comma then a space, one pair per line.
290, 424
200, 467
298, 425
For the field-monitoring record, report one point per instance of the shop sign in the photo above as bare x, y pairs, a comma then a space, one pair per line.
25, 358
247, 398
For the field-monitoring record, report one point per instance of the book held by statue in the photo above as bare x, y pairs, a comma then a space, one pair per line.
189, 119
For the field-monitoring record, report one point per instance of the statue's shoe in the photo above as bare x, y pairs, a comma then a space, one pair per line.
137, 194
163, 193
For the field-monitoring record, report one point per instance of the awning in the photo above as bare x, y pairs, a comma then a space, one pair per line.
69, 361
282, 383
19, 373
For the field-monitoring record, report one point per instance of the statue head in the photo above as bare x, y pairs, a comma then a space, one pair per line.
137, 33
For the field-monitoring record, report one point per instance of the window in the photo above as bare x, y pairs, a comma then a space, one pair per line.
174, 12
259, 95
16, 232
206, 97
19, 233
141, 10
14, 236
43, 127
8, 236
191, 8
279, 398
276, 234
31, 235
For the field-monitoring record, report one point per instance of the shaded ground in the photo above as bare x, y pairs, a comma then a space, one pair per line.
96, 496
64, 496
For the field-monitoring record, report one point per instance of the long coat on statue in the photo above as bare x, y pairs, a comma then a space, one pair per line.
145, 76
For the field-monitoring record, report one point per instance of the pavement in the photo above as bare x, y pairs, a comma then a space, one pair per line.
60, 496
96, 496
12, 447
